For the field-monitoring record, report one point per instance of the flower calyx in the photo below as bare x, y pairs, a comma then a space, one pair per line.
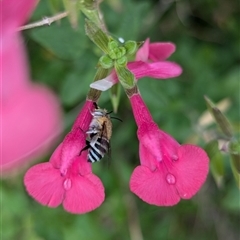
116, 54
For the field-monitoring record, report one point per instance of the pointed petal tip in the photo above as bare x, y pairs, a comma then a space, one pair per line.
159, 51
143, 52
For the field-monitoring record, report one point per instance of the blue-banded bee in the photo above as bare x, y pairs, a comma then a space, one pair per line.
99, 135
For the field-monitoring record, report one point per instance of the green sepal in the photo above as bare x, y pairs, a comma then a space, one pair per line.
99, 37
106, 62
90, 9
220, 119
216, 162
115, 94
126, 78
139, 44
72, 7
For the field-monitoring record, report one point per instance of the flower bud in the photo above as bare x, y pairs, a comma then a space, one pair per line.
106, 62
131, 47
122, 61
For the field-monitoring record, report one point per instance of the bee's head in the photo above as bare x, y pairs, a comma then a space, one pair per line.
100, 113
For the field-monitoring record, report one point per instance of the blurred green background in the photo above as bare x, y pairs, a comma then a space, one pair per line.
206, 33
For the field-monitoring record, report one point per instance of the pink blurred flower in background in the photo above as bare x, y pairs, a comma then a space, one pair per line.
150, 62
168, 171
67, 178
30, 113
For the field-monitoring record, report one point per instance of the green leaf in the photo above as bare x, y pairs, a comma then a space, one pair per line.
231, 200
76, 84
221, 120
234, 147
61, 39
235, 165
234, 150
216, 162
129, 27
55, 5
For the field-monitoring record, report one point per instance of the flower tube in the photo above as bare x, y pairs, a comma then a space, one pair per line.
67, 178
168, 171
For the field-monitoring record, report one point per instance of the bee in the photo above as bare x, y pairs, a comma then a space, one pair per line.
99, 134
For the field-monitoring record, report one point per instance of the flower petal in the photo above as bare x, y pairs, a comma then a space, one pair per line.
45, 184
140, 69
150, 144
14, 13
141, 114
84, 118
84, 167
152, 188
71, 147
55, 159
160, 51
13, 54
32, 133
143, 52
147, 158
86, 194
161, 70
75, 140
190, 170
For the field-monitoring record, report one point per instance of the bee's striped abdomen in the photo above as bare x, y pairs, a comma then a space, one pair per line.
97, 148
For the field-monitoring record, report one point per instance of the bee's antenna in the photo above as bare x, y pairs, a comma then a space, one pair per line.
117, 118
114, 117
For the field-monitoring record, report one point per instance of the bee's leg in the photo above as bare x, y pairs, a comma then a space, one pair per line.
85, 148
92, 131
95, 105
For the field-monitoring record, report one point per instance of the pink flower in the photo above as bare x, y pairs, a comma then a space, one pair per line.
168, 171
30, 112
67, 178
150, 62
